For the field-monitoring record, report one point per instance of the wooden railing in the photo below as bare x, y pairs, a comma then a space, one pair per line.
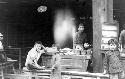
64, 75
83, 75
7, 68
15, 54
22, 76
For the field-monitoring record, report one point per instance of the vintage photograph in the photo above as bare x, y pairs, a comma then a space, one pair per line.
62, 39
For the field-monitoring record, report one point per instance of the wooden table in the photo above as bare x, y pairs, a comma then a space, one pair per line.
74, 62
7, 68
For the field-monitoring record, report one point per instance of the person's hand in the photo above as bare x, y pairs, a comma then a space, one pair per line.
121, 50
104, 72
42, 51
45, 49
86, 45
79, 47
41, 67
53, 68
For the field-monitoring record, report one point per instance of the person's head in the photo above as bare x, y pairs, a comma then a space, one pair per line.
1, 37
113, 44
38, 45
81, 27
124, 27
56, 45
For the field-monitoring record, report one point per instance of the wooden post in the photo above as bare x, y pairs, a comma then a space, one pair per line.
56, 73
102, 12
2, 73
110, 11
20, 59
96, 36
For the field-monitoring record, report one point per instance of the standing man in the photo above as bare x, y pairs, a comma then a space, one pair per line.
80, 38
122, 40
1, 39
2, 53
34, 55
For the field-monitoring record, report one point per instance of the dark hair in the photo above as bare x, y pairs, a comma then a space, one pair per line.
113, 41
38, 42
81, 24
123, 26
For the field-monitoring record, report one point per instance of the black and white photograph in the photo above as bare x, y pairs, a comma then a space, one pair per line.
62, 39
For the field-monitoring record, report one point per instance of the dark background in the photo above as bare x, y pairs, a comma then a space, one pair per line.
22, 25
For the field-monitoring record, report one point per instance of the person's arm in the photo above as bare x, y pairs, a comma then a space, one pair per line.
53, 61
44, 48
36, 60
42, 51
39, 54
75, 40
105, 63
85, 39
30, 58
56, 61
121, 40
31, 54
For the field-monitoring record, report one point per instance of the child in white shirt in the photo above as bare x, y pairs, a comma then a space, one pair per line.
34, 55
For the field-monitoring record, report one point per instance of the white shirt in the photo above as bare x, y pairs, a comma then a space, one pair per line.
1, 46
33, 56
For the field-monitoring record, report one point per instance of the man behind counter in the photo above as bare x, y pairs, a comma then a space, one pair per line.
122, 40
80, 37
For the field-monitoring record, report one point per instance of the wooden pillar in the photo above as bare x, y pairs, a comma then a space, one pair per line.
102, 12
110, 11
20, 56
56, 60
96, 35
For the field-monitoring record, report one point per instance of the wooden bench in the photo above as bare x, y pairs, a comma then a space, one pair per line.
44, 74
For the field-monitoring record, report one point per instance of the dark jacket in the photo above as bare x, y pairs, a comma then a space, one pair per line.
80, 38
122, 38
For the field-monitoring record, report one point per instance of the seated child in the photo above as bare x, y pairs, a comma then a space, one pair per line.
34, 55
